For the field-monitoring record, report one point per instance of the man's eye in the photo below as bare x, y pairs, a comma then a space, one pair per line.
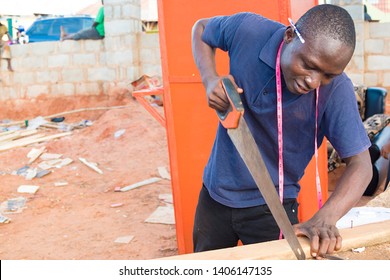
308, 67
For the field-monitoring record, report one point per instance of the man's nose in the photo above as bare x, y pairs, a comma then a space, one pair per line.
314, 80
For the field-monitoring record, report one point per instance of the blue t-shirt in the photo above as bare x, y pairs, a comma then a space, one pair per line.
252, 42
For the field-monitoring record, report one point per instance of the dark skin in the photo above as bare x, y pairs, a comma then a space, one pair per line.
305, 67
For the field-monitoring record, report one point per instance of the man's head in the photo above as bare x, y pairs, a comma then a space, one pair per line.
329, 35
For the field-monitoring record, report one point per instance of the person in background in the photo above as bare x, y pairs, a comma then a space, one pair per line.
294, 69
5, 51
95, 32
21, 37
367, 17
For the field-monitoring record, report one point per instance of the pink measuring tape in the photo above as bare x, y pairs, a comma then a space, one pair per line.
280, 134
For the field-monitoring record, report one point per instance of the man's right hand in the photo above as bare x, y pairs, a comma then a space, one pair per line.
216, 95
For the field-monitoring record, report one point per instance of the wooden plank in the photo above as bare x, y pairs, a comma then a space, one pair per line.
16, 134
91, 165
20, 142
32, 139
365, 235
69, 112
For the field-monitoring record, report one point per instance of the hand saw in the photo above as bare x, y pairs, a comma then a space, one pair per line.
244, 142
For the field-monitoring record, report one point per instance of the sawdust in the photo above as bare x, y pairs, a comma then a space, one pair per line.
381, 200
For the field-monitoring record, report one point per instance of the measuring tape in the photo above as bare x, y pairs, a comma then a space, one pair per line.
280, 134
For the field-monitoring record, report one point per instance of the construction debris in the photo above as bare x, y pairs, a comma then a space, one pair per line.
13, 205
162, 215
164, 173
140, 184
115, 205
49, 156
60, 184
34, 154
7, 145
119, 133
4, 220
124, 239
91, 165
31, 189
166, 197
42, 173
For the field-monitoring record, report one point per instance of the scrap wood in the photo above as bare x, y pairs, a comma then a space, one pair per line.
124, 239
60, 183
48, 156
57, 163
167, 198
21, 140
139, 184
34, 154
360, 236
164, 173
6, 132
91, 165
16, 134
30, 140
162, 215
28, 189
71, 112
4, 220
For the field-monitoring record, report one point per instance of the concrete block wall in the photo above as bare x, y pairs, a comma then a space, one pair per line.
95, 67
85, 67
370, 64
377, 54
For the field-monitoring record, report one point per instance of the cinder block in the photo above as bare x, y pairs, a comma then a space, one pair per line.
374, 46
84, 59
36, 90
386, 79
60, 60
73, 75
378, 62
370, 79
47, 77
379, 29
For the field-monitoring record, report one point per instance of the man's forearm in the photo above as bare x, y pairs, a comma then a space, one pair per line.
349, 188
204, 55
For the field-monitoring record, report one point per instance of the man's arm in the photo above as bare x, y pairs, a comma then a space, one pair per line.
204, 56
321, 228
99, 17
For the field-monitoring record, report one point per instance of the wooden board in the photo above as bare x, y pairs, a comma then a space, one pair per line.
361, 236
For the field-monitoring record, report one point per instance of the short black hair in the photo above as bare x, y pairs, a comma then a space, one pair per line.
329, 20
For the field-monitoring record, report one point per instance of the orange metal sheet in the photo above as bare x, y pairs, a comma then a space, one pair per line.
190, 123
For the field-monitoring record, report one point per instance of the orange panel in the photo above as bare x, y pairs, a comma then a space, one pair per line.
190, 123
299, 7
308, 202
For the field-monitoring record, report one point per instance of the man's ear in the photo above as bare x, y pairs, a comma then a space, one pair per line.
288, 35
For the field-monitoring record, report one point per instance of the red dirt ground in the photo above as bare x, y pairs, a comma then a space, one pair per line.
77, 221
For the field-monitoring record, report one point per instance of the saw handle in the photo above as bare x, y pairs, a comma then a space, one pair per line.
229, 118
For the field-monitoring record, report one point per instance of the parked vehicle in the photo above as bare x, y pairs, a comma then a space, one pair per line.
48, 28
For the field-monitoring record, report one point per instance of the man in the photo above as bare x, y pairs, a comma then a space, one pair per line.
95, 32
230, 207
5, 52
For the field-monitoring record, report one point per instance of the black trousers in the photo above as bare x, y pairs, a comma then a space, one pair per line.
217, 226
